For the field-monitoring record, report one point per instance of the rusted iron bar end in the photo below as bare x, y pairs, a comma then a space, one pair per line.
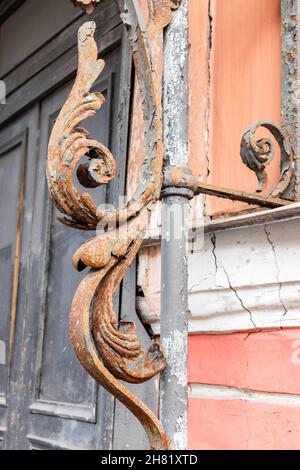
242, 196
179, 178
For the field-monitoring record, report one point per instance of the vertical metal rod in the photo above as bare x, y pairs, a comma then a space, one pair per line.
174, 320
174, 288
290, 83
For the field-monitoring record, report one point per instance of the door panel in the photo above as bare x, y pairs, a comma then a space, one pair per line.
12, 159
15, 29
11, 178
17, 153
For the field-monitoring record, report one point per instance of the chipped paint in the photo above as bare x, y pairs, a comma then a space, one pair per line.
174, 348
264, 280
290, 104
181, 426
176, 50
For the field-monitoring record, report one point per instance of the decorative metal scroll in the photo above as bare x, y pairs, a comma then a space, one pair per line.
257, 154
108, 351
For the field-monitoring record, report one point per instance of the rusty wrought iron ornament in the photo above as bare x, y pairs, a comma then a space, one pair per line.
110, 352
256, 155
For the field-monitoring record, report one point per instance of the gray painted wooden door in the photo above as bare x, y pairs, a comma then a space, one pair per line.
17, 151
46, 399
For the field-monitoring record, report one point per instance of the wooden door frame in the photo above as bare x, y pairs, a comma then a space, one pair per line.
7, 8
33, 79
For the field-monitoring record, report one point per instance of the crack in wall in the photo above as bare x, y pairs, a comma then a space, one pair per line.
231, 287
214, 245
270, 241
247, 336
235, 291
198, 284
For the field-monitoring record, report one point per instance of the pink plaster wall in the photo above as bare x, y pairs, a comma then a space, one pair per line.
268, 361
264, 366
245, 87
242, 425
234, 80
199, 99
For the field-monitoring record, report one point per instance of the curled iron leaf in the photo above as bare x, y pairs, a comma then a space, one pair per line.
87, 5
69, 143
257, 155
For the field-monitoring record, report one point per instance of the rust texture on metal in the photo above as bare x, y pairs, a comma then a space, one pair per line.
256, 155
242, 196
179, 177
69, 143
290, 74
110, 352
160, 14
87, 5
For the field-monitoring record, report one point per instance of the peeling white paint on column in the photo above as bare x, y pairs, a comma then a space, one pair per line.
180, 436
174, 285
176, 49
174, 348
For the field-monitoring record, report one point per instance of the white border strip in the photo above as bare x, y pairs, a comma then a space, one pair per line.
216, 392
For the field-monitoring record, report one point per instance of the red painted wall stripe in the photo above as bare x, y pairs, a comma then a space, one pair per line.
265, 361
242, 425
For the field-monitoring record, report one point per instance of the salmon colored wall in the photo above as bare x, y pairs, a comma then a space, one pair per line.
234, 80
242, 425
199, 102
252, 394
245, 391
245, 87
267, 361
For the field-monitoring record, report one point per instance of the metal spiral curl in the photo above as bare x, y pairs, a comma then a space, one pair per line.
258, 154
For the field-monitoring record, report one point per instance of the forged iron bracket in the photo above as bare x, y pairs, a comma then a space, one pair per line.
109, 351
256, 155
